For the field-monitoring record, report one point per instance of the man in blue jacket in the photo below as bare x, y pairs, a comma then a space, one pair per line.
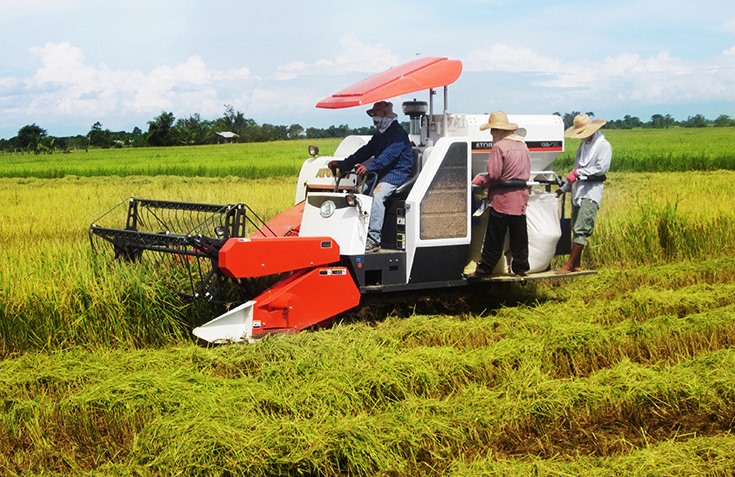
393, 163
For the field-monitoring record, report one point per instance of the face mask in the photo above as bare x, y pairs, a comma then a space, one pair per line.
382, 123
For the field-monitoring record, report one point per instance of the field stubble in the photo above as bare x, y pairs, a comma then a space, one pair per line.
628, 372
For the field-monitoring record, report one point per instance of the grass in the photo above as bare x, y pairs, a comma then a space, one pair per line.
649, 218
626, 372
637, 150
61, 296
252, 160
423, 395
663, 150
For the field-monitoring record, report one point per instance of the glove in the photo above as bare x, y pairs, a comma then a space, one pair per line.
572, 176
332, 165
479, 180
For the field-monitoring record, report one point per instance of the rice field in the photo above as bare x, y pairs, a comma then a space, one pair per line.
665, 150
252, 160
626, 372
637, 150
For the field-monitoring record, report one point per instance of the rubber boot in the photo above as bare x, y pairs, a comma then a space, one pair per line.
573, 263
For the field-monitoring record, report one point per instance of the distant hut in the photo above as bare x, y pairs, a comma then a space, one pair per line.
226, 137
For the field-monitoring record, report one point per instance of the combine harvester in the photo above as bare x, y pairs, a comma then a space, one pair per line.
308, 264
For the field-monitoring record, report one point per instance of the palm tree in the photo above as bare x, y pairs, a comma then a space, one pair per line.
160, 130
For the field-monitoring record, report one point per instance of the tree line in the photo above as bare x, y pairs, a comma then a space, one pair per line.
166, 130
233, 126
657, 121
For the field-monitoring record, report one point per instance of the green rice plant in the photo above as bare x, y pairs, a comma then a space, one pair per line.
251, 160
59, 297
662, 150
54, 294
160, 412
650, 218
636, 150
626, 372
686, 455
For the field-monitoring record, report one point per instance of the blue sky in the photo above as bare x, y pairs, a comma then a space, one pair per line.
66, 64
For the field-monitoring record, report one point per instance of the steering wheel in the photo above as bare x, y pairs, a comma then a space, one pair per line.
372, 178
339, 175
362, 184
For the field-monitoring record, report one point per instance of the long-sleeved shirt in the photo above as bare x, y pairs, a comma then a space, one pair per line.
393, 156
509, 159
593, 159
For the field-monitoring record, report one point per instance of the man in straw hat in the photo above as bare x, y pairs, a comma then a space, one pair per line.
586, 182
509, 162
393, 162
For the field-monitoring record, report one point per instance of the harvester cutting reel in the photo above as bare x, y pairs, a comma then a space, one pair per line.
183, 239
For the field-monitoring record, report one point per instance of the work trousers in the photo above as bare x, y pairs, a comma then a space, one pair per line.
492, 248
584, 217
381, 193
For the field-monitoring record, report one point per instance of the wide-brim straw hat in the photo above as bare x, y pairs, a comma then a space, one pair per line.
584, 127
383, 109
499, 120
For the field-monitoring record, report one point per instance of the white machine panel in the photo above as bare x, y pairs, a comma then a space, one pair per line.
327, 213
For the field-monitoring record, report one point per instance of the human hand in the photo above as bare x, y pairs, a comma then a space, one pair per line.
361, 170
558, 192
479, 180
572, 176
332, 165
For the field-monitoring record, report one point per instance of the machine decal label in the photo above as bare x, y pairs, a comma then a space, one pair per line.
544, 145
482, 145
324, 172
326, 244
541, 146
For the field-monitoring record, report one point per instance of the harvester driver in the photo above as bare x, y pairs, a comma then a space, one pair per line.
393, 162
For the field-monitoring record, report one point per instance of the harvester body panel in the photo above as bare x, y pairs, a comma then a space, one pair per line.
330, 213
260, 257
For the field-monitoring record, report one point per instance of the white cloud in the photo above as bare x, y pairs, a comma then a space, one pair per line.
292, 70
627, 79
187, 57
354, 56
728, 25
359, 56
9, 86
500, 57
66, 85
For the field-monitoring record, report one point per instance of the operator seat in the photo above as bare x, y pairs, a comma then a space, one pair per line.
403, 190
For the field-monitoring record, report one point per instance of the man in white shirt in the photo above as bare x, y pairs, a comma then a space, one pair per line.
586, 183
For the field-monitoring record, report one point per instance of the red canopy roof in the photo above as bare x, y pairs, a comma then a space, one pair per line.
416, 75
